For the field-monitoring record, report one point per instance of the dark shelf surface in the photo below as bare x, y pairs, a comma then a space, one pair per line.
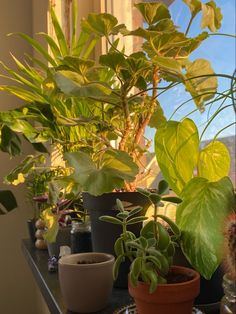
49, 283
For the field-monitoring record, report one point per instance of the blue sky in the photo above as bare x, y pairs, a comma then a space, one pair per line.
220, 51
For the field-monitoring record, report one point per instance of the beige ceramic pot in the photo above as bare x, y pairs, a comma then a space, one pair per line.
86, 281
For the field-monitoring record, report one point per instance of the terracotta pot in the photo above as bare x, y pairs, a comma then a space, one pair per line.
85, 287
167, 298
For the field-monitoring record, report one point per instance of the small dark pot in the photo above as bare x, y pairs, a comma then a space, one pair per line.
105, 234
211, 291
63, 239
31, 229
81, 242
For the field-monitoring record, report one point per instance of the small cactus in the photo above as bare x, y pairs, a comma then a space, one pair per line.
230, 245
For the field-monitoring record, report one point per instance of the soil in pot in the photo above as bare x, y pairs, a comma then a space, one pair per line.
171, 298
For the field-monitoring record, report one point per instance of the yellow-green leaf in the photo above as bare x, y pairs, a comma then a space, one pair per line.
214, 161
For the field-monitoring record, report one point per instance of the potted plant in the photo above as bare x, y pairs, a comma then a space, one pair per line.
101, 94
86, 274
154, 283
197, 174
121, 96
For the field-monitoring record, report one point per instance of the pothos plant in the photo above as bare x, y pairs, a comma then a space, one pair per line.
113, 99
199, 176
151, 254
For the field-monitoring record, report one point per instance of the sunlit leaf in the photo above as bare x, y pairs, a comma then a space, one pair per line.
214, 161
205, 206
211, 16
201, 82
176, 148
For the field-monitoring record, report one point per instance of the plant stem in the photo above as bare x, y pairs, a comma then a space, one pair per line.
128, 124
189, 24
155, 232
146, 120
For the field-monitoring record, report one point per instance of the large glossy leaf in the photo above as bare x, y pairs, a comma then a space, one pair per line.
214, 161
115, 167
176, 148
153, 12
201, 83
200, 216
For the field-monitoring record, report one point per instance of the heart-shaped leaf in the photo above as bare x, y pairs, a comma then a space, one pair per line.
176, 148
200, 216
214, 161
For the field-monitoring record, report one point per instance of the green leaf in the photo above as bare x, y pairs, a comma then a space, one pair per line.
119, 247
72, 84
163, 237
99, 24
115, 168
78, 64
205, 206
37, 47
155, 198
169, 65
52, 45
211, 16
110, 219
172, 225
172, 199
162, 187
176, 148
136, 267
136, 220
194, 6
201, 82
113, 60
8, 201
158, 118
214, 161
153, 12
59, 33
116, 266
52, 225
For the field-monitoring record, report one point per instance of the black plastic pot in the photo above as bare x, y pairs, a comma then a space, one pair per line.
105, 234
211, 291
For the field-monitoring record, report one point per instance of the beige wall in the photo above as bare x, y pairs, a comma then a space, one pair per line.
18, 291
